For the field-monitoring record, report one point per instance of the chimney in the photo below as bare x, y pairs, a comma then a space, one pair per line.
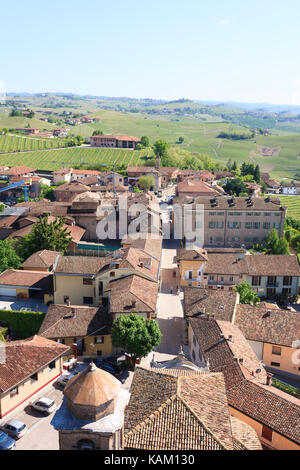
133, 303
241, 360
269, 379
141, 264
229, 337
68, 302
75, 350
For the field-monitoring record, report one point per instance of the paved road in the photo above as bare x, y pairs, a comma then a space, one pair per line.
41, 434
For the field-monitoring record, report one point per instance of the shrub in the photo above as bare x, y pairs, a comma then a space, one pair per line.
22, 324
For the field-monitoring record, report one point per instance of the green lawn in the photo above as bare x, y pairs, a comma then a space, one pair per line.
293, 205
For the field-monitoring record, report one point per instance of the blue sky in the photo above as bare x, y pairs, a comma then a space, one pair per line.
207, 50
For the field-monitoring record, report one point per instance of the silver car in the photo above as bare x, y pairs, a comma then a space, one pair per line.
45, 405
15, 428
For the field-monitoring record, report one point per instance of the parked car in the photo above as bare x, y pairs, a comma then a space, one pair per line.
15, 428
6, 442
44, 405
63, 380
112, 368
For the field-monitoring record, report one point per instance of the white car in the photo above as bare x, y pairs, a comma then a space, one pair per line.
45, 405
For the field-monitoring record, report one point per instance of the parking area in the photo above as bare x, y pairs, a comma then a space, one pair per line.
41, 434
12, 303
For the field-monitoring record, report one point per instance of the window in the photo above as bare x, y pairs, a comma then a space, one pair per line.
267, 433
276, 350
277, 225
275, 364
33, 378
211, 224
234, 225
271, 281
52, 365
266, 225
99, 352
231, 278
88, 300
13, 392
211, 278
212, 213
87, 281
112, 274
286, 290
99, 339
287, 280
256, 280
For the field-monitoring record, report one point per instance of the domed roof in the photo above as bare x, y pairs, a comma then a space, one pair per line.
92, 387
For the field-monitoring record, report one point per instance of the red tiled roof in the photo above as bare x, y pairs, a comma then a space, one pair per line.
25, 357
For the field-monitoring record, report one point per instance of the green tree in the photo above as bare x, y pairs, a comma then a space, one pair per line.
146, 182
2, 207
47, 192
145, 141
8, 256
247, 294
181, 140
161, 148
45, 235
282, 247
97, 132
235, 186
136, 335
256, 174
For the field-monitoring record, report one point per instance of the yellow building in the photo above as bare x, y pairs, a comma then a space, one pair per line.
26, 366
86, 330
84, 280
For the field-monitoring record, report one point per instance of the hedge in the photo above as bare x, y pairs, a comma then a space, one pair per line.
22, 324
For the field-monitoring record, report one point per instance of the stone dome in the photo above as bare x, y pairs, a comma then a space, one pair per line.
92, 393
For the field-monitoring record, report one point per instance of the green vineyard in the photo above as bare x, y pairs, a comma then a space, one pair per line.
10, 143
293, 205
74, 156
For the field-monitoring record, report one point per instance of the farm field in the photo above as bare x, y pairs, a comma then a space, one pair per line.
74, 156
293, 205
10, 143
199, 136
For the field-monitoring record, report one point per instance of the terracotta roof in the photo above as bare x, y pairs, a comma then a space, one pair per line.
41, 259
132, 294
18, 170
244, 436
75, 186
79, 264
7, 222
165, 413
221, 203
147, 243
197, 254
62, 321
268, 325
92, 387
117, 137
272, 265
44, 206
267, 407
141, 169
225, 263
246, 388
32, 279
199, 301
25, 357
189, 186
86, 172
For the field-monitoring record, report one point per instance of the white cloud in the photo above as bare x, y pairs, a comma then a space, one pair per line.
225, 21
